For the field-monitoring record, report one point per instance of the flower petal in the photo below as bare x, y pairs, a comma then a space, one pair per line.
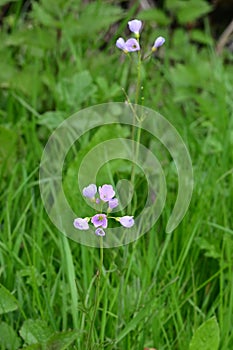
99, 232
127, 221
106, 192
135, 26
158, 42
132, 45
100, 220
90, 191
81, 224
113, 203
120, 43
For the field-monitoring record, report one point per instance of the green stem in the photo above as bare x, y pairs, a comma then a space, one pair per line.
136, 153
97, 296
138, 78
137, 95
149, 55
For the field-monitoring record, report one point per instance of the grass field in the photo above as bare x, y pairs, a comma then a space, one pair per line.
57, 58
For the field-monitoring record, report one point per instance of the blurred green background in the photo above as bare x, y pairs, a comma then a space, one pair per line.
57, 57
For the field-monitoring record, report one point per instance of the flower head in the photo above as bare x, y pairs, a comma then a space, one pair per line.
113, 203
132, 45
106, 192
100, 220
81, 224
120, 43
126, 221
99, 232
158, 42
90, 191
135, 26
104, 198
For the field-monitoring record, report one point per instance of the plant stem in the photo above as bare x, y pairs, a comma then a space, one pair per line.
138, 87
97, 296
137, 95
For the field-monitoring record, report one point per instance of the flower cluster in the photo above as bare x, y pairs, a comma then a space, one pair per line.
105, 196
132, 44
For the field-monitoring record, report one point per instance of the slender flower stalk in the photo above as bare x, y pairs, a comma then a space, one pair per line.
97, 293
135, 27
135, 117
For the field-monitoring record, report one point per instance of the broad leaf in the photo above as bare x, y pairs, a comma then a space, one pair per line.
188, 11
206, 336
8, 337
156, 15
193, 10
35, 331
7, 301
61, 341
75, 90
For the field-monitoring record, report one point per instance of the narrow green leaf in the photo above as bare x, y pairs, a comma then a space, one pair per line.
8, 147
4, 2
34, 347
206, 336
136, 320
